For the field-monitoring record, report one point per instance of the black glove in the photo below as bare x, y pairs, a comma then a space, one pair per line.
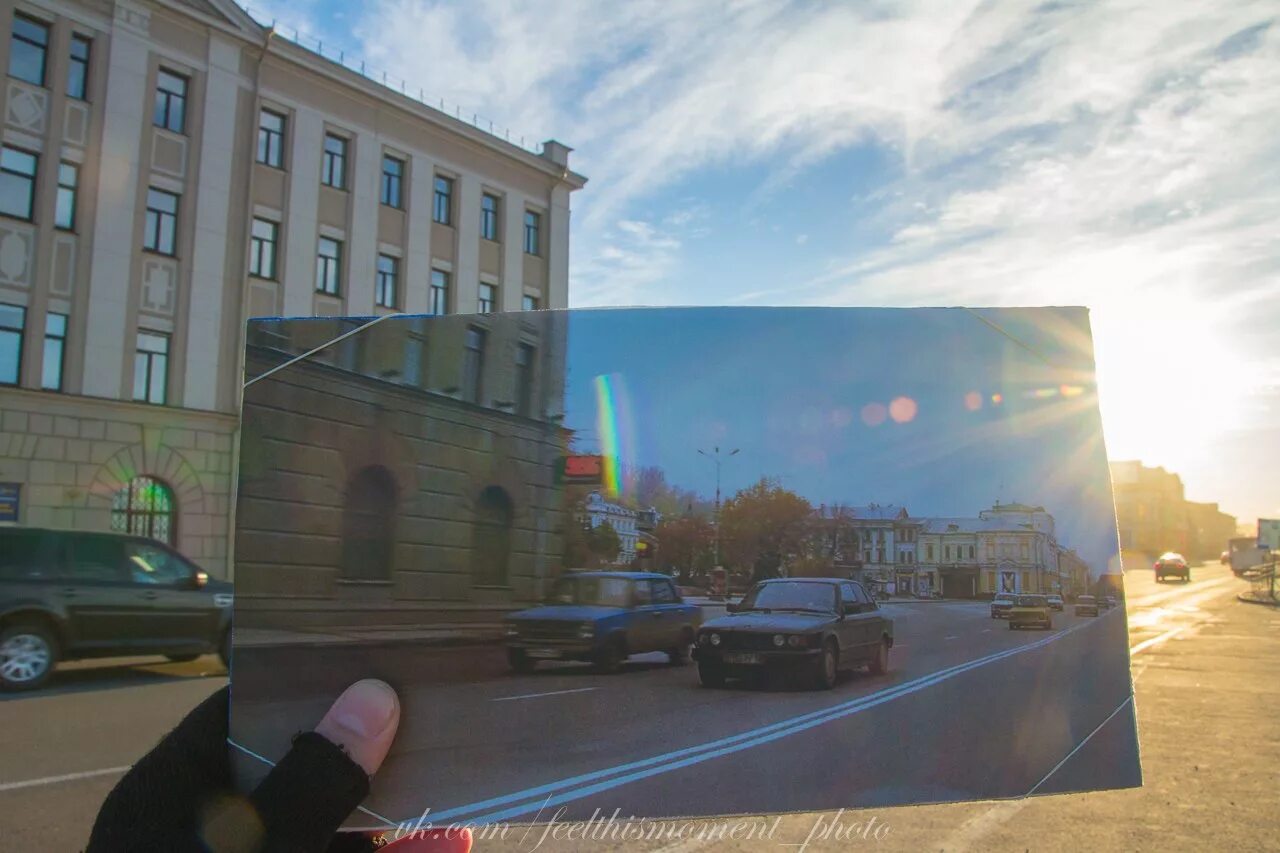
180, 795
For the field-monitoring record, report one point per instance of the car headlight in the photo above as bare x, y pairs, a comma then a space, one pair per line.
586, 630
795, 641
779, 640
715, 639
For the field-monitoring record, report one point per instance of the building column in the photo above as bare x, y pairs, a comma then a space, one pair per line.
362, 230
557, 295
466, 271
512, 252
307, 136
417, 261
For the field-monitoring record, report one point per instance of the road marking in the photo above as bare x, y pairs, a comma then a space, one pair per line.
954, 637
1057, 766
550, 693
65, 777
1156, 640
986, 630
578, 787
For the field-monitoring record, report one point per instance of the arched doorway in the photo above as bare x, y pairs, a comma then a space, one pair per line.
369, 525
491, 538
145, 507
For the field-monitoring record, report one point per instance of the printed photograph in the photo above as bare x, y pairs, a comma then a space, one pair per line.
685, 562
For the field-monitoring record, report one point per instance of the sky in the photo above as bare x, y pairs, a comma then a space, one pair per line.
943, 411
1120, 156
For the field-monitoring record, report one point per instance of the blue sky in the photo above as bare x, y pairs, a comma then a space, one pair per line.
796, 391
1117, 156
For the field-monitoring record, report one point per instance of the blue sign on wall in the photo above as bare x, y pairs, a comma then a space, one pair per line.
9, 501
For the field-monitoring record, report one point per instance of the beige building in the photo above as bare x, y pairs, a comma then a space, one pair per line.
170, 168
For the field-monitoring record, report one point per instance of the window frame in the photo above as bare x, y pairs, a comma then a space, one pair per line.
150, 358
168, 98
29, 178
334, 161
82, 63
437, 195
529, 303
534, 228
268, 136
526, 366
386, 280
490, 217
20, 332
392, 183
73, 189
439, 292
153, 230
492, 301
149, 513
60, 339
43, 49
473, 365
256, 246
326, 263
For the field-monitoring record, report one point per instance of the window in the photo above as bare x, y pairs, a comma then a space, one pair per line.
64, 211
333, 170
529, 303
27, 50
78, 71
663, 592
439, 302
12, 321
928, 550
26, 555
368, 525
491, 538
97, 559
263, 238
171, 102
524, 380
151, 368
532, 232
17, 183
489, 216
392, 176
144, 507
329, 266
641, 593
161, 222
473, 365
271, 138
488, 298
388, 273
972, 549
55, 347
153, 565
442, 206
947, 552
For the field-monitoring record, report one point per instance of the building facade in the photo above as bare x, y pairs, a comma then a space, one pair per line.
1151, 511
171, 168
624, 521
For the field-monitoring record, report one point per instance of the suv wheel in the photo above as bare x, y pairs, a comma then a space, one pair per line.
28, 654
880, 663
826, 667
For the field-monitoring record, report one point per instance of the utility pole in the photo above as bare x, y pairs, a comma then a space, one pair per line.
714, 456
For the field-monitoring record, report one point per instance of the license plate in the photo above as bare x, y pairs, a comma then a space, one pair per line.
741, 658
543, 653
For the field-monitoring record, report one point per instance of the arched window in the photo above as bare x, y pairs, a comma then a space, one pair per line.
145, 507
491, 538
369, 525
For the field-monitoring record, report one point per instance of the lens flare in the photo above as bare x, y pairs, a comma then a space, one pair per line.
997, 399
608, 388
973, 401
874, 414
903, 409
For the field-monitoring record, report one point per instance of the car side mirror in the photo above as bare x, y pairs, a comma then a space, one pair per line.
200, 579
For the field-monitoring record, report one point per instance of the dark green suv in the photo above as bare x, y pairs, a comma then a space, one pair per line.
67, 595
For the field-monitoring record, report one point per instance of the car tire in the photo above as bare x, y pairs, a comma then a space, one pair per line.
181, 658
710, 675
519, 661
28, 655
826, 667
880, 663
609, 659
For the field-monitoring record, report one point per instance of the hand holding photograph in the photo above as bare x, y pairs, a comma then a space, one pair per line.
685, 562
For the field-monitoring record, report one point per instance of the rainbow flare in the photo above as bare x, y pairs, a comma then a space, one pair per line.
612, 418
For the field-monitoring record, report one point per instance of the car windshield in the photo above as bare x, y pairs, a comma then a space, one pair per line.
605, 592
817, 597
1031, 601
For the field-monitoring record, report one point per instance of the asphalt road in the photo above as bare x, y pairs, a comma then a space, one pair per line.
1027, 710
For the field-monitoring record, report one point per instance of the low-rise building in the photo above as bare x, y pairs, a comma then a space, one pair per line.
622, 519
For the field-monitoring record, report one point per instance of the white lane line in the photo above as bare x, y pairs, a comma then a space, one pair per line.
65, 777
549, 693
1157, 640
986, 630
953, 636
1058, 766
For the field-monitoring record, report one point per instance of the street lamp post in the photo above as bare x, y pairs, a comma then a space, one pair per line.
714, 456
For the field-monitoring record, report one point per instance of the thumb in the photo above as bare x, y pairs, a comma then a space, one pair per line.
321, 780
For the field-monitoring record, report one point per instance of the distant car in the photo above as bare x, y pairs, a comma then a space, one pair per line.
1001, 605
1086, 605
810, 626
1030, 611
1225, 559
1172, 565
1110, 601
1055, 602
68, 595
603, 617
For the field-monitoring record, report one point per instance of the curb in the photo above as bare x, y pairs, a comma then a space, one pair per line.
1249, 599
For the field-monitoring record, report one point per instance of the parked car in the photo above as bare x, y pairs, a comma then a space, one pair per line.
604, 618
1055, 602
810, 626
1086, 605
1109, 601
1030, 610
1225, 559
1001, 605
1172, 565
68, 595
